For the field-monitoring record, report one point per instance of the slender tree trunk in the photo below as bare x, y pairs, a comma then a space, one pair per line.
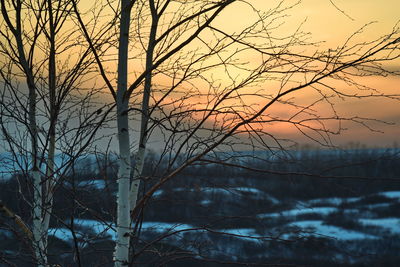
38, 235
49, 189
123, 210
140, 156
39, 246
49, 185
37, 220
137, 172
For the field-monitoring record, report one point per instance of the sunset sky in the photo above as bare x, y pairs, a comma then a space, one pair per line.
333, 22
330, 25
327, 23
330, 22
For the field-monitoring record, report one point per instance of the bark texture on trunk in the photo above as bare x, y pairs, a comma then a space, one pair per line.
37, 205
123, 205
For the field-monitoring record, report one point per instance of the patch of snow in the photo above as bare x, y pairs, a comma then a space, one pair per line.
238, 191
62, 233
352, 199
259, 193
107, 229
223, 190
10, 252
215, 190
391, 194
391, 224
158, 193
206, 202
295, 212
317, 228
334, 200
378, 205
162, 227
65, 235
248, 190
100, 228
272, 199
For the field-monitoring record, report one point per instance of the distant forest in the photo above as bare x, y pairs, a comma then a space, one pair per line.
196, 197
297, 175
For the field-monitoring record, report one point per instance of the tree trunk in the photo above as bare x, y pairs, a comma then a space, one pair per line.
140, 156
37, 219
50, 182
123, 210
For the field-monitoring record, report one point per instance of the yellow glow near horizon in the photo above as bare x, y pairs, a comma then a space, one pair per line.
333, 25
327, 23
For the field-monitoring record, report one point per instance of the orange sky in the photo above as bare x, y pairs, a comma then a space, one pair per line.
333, 25
327, 23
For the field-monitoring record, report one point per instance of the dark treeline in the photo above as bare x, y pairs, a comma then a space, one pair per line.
362, 171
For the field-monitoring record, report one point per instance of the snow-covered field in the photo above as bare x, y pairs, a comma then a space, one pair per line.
300, 211
295, 227
218, 220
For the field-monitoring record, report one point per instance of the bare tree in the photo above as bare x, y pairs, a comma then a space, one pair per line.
41, 69
197, 87
206, 88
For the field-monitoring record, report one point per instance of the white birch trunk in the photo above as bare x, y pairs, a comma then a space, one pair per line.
49, 190
123, 207
139, 162
37, 219
38, 244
